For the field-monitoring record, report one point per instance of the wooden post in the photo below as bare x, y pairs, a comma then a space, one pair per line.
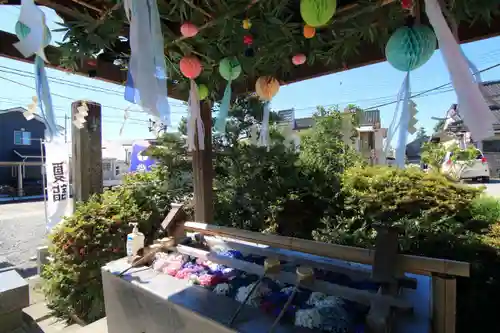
384, 271
444, 303
86, 153
203, 171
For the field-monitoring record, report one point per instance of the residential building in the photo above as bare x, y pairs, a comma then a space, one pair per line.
455, 131
21, 142
370, 139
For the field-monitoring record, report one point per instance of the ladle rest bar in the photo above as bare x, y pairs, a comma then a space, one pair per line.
406, 263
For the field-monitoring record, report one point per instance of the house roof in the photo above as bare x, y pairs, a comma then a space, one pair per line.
369, 118
491, 92
22, 110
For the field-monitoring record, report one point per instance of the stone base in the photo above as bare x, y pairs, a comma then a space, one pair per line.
14, 296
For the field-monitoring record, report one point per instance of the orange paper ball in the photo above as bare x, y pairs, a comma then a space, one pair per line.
191, 67
267, 87
299, 59
309, 32
189, 30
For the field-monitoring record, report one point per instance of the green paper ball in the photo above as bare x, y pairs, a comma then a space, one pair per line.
317, 13
410, 47
229, 68
22, 30
202, 91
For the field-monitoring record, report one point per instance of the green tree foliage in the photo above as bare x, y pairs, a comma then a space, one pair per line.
421, 133
439, 126
433, 154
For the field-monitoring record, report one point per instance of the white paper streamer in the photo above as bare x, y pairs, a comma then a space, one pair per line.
195, 123
34, 18
393, 127
264, 130
403, 123
473, 108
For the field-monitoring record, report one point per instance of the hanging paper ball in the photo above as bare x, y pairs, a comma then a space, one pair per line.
248, 40
267, 87
202, 92
246, 24
406, 4
22, 30
249, 52
191, 67
189, 30
317, 13
410, 47
309, 32
229, 68
299, 59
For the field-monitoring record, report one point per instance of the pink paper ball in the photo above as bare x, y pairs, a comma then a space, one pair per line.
299, 59
189, 30
191, 67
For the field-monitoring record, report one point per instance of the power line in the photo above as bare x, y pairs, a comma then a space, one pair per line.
72, 99
433, 89
57, 80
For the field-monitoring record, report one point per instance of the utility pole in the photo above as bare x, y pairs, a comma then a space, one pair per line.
66, 117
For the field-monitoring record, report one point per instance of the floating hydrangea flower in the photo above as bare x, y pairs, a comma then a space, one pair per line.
222, 289
193, 280
308, 318
287, 290
231, 254
172, 269
184, 273
209, 280
315, 298
255, 298
330, 301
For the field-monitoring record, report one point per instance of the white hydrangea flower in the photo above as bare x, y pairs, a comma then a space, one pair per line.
308, 318
287, 290
254, 299
222, 289
329, 301
315, 298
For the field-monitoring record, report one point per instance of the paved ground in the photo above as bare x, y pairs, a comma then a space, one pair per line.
22, 230
492, 188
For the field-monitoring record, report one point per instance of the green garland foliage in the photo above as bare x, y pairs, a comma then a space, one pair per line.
276, 30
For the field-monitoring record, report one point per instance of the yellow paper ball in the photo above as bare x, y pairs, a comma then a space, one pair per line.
267, 87
246, 24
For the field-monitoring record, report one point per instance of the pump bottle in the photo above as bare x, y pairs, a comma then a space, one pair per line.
135, 242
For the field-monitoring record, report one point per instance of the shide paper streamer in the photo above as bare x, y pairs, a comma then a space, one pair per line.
34, 36
473, 108
147, 75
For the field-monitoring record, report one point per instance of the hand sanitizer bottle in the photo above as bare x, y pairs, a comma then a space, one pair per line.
135, 242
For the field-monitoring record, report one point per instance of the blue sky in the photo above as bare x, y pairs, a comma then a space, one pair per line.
367, 87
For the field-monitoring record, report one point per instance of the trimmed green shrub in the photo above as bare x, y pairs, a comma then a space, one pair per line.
485, 208
437, 218
408, 197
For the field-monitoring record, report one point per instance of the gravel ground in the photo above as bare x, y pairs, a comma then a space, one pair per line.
22, 230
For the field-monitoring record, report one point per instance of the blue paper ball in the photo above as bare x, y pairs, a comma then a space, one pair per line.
410, 47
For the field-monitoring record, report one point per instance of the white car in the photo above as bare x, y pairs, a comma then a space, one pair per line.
477, 170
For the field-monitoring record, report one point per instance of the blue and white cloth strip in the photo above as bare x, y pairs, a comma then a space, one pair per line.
147, 76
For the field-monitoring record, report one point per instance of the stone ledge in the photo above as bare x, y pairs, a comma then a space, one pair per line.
14, 292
